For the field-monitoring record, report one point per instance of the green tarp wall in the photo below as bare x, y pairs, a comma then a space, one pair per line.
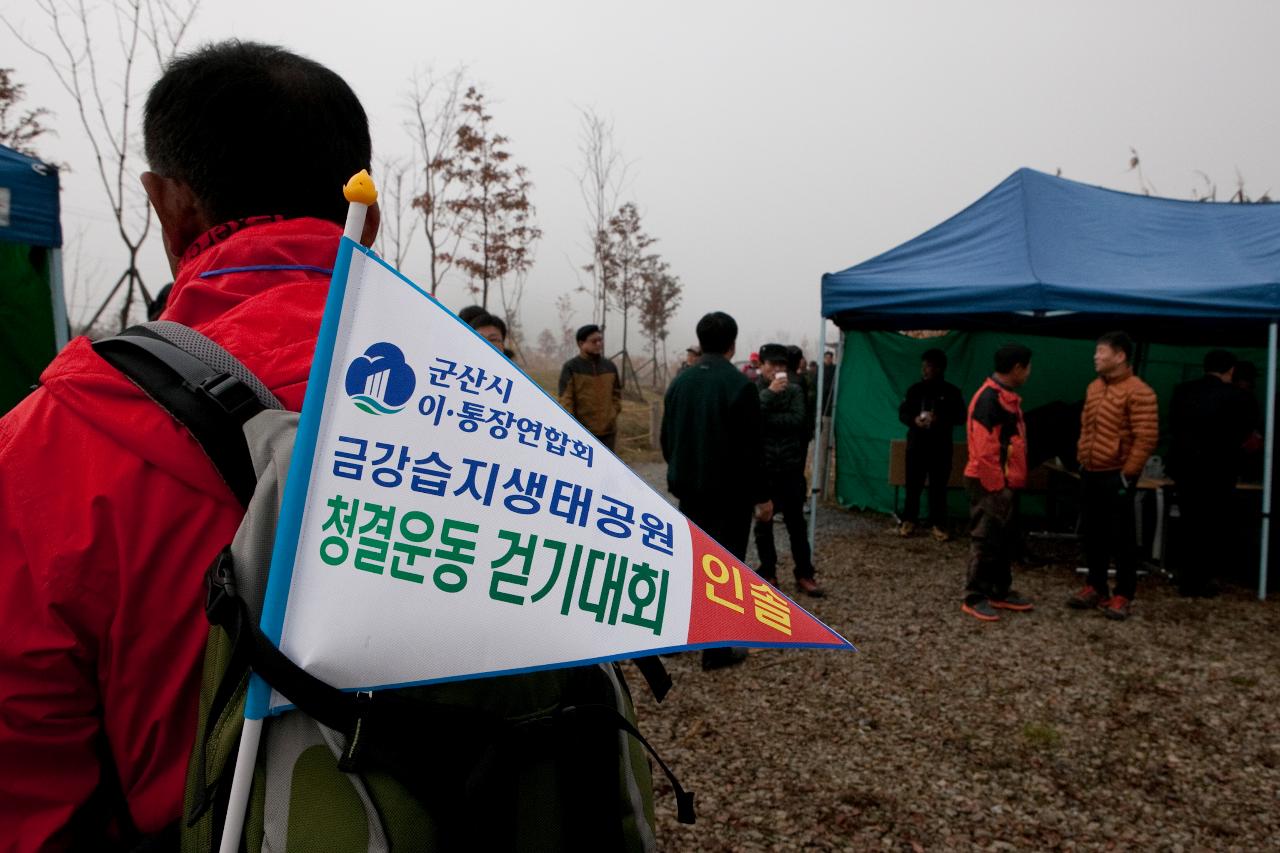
878, 367
26, 320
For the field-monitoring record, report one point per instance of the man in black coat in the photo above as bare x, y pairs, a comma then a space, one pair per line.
784, 405
1209, 421
931, 411
711, 439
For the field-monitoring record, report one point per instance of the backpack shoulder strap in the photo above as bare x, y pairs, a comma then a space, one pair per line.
204, 387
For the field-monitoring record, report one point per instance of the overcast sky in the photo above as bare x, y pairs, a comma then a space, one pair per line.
769, 142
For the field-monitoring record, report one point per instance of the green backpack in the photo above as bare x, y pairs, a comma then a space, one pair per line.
549, 760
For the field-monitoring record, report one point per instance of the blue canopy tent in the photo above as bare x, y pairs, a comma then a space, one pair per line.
1045, 255
33, 315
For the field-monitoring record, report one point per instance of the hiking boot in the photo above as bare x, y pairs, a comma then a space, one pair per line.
1086, 599
906, 528
938, 533
1013, 601
980, 610
810, 588
1117, 608
722, 657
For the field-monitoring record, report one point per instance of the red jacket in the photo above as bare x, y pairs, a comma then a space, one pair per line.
997, 438
111, 513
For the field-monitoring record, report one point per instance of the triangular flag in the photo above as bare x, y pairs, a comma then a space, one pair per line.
445, 518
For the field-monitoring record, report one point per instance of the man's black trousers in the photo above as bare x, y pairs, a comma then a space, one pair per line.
787, 491
929, 460
1206, 504
1108, 530
725, 518
991, 531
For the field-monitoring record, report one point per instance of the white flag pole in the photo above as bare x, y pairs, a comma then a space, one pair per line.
360, 193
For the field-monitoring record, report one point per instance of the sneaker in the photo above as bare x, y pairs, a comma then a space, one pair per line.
939, 534
906, 528
980, 610
1086, 599
1013, 601
1117, 608
810, 587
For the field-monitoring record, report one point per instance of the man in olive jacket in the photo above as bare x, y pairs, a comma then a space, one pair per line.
590, 388
711, 439
785, 409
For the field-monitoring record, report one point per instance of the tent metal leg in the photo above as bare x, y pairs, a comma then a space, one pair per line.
1268, 459
819, 452
57, 296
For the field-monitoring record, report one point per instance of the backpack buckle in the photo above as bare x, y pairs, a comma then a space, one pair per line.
221, 602
231, 395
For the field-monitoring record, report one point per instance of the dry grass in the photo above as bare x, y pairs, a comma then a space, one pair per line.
633, 444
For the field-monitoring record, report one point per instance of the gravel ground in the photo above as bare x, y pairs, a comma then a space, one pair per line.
1050, 730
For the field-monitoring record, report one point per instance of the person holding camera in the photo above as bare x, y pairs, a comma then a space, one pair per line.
786, 438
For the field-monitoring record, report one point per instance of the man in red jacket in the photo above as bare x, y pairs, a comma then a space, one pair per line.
997, 468
111, 511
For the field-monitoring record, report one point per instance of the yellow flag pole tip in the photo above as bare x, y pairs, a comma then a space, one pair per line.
360, 189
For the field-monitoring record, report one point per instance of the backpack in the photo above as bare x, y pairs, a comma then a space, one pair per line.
550, 760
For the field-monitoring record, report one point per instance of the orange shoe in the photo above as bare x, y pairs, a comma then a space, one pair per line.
1013, 601
980, 610
1086, 599
1117, 608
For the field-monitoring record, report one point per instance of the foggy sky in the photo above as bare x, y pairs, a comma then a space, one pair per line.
769, 143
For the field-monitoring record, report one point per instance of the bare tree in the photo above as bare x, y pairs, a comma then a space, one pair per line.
434, 103
106, 112
18, 130
600, 180
568, 335
659, 300
626, 265
492, 204
400, 213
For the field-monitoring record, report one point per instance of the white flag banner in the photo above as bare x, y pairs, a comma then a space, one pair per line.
445, 518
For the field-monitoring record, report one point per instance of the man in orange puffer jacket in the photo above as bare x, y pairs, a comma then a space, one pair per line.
1118, 432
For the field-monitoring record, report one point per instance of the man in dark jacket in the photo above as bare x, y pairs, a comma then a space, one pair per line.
786, 421
711, 439
590, 388
1209, 421
931, 411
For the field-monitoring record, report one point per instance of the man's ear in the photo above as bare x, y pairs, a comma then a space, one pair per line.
179, 212
372, 220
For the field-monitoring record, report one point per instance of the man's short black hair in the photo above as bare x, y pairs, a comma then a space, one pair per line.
587, 331
829, 354
1010, 356
775, 354
794, 356
717, 333
256, 130
936, 358
469, 313
1119, 341
1218, 361
484, 318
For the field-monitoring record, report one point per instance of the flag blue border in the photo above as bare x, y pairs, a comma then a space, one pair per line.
289, 528
524, 670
